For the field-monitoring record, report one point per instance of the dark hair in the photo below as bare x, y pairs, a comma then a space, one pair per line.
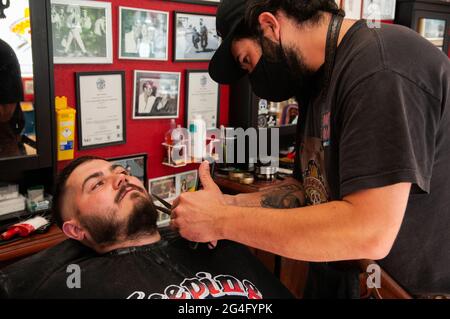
300, 10
60, 186
243, 32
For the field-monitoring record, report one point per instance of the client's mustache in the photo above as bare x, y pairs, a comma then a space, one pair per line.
124, 188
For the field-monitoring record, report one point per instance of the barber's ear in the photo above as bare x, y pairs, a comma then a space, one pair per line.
270, 26
72, 230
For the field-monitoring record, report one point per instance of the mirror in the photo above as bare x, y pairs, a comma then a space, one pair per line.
17, 120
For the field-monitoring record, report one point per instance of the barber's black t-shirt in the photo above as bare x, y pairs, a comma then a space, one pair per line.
166, 269
386, 120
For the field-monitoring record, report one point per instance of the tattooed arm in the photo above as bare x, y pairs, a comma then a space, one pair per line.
288, 195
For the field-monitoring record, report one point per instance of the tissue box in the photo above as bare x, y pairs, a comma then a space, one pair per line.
8, 191
12, 205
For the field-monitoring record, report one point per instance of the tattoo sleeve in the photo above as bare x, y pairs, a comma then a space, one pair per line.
286, 196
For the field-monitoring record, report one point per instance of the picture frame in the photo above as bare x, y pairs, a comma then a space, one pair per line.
187, 181
156, 94
143, 34
101, 113
135, 164
165, 188
202, 97
378, 9
433, 30
195, 37
82, 32
203, 2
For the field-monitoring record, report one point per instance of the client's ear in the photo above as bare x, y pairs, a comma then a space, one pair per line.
72, 230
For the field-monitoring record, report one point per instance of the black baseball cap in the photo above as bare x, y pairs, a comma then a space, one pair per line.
223, 68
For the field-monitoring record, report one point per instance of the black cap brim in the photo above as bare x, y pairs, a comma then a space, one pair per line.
223, 68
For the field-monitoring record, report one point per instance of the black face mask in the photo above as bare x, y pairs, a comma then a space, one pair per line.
272, 78
279, 75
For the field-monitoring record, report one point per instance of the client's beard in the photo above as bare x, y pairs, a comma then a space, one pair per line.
106, 229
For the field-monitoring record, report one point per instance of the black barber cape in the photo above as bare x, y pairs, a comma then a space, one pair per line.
166, 269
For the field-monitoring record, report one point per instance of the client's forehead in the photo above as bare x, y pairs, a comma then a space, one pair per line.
85, 170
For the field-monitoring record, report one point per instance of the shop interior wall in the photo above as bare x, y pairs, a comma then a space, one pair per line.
143, 136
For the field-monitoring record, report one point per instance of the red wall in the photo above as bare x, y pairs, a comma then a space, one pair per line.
143, 136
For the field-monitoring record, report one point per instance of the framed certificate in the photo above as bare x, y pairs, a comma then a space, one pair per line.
100, 109
202, 97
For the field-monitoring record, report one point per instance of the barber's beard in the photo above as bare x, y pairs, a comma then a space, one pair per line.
106, 229
299, 71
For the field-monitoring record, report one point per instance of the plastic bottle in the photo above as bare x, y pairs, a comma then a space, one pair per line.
168, 136
197, 130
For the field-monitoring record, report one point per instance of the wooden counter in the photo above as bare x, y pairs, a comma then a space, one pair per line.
30, 245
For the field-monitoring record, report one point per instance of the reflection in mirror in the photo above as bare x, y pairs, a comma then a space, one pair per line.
17, 116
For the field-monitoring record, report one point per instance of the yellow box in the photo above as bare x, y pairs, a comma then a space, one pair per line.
65, 126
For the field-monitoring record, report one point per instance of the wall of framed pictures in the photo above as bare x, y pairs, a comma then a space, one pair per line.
145, 64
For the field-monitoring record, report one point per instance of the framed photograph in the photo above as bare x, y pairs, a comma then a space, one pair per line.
100, 108
187, 182
195, 37
156, 95
378, 9
433, 30
205, 2
82, 32
166, 188
352, 9
143, 34
136, 165
202, 97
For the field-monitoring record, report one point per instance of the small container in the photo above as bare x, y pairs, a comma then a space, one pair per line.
247, 179
266, 173
235, 176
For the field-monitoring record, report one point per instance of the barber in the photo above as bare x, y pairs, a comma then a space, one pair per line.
373, 171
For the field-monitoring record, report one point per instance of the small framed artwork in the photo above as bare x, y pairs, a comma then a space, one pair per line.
136, 165
205, 2
202, 97
81, 31
187, 182
195, 37
100, 108
143, 34
352, 9
433, 30
165, 188
378, 9
156, 94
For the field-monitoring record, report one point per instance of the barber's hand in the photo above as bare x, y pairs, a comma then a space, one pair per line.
197, 215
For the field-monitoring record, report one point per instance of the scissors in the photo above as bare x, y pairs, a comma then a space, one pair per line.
167, 209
